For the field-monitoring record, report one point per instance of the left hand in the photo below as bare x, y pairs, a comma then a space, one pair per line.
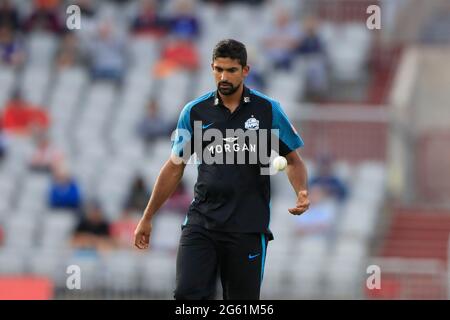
302, 203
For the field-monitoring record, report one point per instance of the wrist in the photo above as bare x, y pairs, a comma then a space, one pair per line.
147, 217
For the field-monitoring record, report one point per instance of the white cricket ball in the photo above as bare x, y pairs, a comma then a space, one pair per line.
279, 163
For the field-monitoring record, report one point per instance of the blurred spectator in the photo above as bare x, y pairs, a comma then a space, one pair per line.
12, 51
177, 54
321, 215
312, 52
2, 147
153, 125
2, 144
255, 79
45, 157
92, 232
87, 8
122, 230
327, 180
45, 17
180, 200
149, 21
435, 29
120, 2
64, 191
281, 40
107, 53
9, 16
69, 53
310, 42
183, 22
19, 117
138, 196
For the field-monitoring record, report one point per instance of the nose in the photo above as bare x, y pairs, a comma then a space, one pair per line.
223, 76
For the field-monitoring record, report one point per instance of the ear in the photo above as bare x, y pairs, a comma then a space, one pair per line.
212, 66
246, 70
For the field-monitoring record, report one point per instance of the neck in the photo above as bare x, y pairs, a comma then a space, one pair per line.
232, 101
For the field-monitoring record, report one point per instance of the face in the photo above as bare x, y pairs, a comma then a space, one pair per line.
94, 214
62, 176
5, 35
229, 75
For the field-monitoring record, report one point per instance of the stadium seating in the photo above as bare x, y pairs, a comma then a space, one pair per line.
94, 124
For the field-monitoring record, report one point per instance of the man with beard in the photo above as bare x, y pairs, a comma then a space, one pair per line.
226, 229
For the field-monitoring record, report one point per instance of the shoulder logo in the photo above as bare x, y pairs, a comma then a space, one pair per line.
252, 123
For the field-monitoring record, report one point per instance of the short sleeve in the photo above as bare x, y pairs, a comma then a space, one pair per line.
289, 139
181, 139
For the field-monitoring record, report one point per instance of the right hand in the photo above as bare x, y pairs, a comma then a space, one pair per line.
142, 234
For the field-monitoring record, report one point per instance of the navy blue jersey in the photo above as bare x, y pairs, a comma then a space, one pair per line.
232, 194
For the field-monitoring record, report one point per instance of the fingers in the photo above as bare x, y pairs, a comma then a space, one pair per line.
302, 203
298, 210
141, 241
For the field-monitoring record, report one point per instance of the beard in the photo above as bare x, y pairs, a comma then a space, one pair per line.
227, 89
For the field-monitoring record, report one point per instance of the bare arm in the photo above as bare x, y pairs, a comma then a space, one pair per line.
298, 177
166, 183
296, 171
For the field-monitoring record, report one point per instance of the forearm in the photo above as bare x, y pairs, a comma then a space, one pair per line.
165, 185
296, 172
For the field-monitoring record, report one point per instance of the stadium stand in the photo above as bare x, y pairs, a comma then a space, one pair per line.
345, 90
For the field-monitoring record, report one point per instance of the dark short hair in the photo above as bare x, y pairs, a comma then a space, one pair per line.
232, 49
